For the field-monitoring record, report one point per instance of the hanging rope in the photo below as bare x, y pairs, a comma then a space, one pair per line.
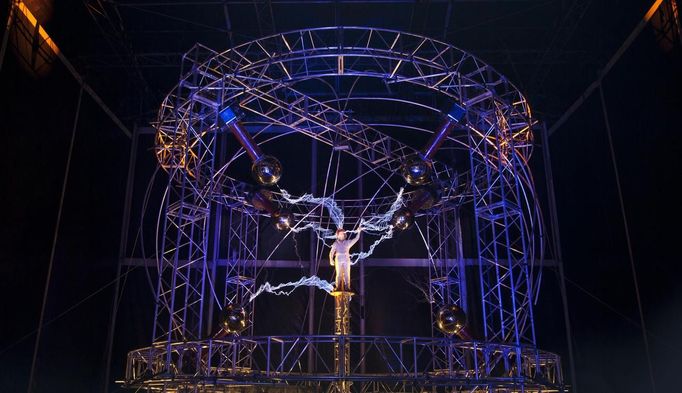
627, 239
54, 242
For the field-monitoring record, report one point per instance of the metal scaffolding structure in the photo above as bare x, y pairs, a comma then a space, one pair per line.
208, 216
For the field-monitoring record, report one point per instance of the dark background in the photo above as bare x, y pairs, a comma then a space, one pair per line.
129, 53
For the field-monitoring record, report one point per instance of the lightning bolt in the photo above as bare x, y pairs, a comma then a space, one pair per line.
291, 286
377, 224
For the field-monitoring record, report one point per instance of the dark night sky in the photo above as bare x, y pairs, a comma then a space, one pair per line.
643, 99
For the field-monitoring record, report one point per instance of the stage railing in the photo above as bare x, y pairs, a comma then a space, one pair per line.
283, 360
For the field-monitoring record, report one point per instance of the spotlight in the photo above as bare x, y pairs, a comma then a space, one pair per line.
233, 319
451, 319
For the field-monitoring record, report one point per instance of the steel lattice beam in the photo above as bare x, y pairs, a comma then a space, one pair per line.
261, 76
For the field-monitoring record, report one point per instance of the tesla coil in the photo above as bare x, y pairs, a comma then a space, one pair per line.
454, 145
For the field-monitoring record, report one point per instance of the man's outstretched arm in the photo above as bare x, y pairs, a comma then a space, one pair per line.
357, 237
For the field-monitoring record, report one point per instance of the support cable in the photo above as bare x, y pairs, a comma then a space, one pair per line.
123, 243
139, 237
627, 239
36, 347
619, 313
68, 310
556, 248
614, 59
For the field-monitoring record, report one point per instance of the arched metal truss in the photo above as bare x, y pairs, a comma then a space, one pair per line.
206, 206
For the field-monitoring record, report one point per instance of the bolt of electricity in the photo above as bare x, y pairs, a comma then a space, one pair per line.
335, 211
324, 233
377, 223
381, 223
312, 281
356, 257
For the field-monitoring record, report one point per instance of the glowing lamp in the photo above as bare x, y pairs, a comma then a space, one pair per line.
451, 319
402, 219
233, 319
416, 170
284, 220
266, 170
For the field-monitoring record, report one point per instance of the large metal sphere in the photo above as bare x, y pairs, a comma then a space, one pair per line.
267, 170
402, 219
416, 170
284, 219
423, 198
233, 319
451, 319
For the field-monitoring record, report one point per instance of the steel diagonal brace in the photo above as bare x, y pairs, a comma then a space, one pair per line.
381, 146
318, 118
365, 142
389, 161
390, 151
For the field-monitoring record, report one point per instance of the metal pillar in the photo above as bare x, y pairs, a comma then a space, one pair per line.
363, 322
342, 346
313, 259
217, 230
242, 243
506, 287
461, 263
446, 277
182, 278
